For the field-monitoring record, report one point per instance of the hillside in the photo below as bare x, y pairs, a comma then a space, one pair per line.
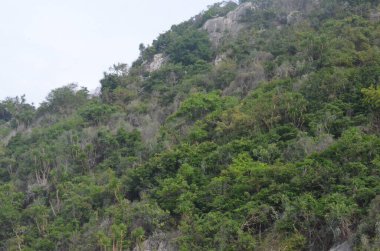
251, 126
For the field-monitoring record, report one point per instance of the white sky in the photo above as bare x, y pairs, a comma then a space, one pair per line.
45, 44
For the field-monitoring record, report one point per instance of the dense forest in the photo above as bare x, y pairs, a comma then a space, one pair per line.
252, 126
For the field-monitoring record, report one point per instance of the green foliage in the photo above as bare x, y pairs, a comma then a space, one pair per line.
113, 79
16, 112
268, 141
95, 113
225, 73
188, 46
64, 100
10, 211
372, 97
199, 104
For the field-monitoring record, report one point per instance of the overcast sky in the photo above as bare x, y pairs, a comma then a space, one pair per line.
45, 44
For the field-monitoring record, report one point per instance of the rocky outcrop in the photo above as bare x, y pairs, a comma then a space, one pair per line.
345, 246
231, 23
288, 6
220, 58
374, 16
159, 242
158, 61
293, 17
292, 11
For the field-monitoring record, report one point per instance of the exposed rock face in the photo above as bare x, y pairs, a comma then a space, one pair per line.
219, 59
294, 17
159, 242
231, 23
288, 6
156, 64
345, 246
374, 16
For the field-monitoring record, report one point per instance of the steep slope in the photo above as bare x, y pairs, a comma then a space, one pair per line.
249, 127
